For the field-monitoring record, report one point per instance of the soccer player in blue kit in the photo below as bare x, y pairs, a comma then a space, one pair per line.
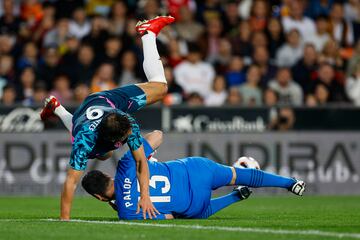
102, 123
179, 188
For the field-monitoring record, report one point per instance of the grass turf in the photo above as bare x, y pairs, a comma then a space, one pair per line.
330, 214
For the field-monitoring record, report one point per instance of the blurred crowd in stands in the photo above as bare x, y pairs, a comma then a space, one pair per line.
218, 52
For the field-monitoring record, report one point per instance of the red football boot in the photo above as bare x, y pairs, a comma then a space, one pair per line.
154, 25
50, 104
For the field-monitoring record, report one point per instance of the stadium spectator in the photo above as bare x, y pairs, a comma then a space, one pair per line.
103, 78
50, 68
69, 55
79, 26
275, 36
250, 91
296, 20
117, 20
352, 10
235, 74
270, 98
289, 91
321, 94
234, 97
193, 74
232, 18
46, 24
341, 29
9, 22
353, 86
151, 9
130, 71
321, 36
40, 93
331, 54
61, 89
305, 68
97, 35
218, 95
240, 40
210, 41
187, 28
258, 39
29, 57
267, 69
8, 96
83, 69
289, 53
25, 91
195, 100
259, 15
327, 77
7, 73
56, 37
223, 57
175, 55
113, 47
6, 44
354, 60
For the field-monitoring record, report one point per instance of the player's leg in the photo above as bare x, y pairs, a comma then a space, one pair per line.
53, 106
217, 204
225, 175
133, 97
154, 138
156, 87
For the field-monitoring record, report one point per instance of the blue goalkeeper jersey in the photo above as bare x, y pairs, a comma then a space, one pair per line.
180, 187
86, 144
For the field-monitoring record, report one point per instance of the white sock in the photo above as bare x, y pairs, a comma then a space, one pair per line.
65, 117
152, 64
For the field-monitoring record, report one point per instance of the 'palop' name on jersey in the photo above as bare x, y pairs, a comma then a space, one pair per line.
127, 192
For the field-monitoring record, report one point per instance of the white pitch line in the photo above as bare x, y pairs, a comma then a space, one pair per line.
228, 229
211, 228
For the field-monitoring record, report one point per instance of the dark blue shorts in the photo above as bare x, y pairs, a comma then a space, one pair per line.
128, 99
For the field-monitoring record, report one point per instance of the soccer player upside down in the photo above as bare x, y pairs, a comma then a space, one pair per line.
179, 188
102, 124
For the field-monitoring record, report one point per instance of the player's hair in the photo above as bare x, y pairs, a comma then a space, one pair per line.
114, 127
95, 182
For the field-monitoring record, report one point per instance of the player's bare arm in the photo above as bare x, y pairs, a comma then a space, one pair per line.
67, 195
142, 172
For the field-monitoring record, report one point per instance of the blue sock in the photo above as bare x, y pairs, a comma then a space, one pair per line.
257, 178
216, 204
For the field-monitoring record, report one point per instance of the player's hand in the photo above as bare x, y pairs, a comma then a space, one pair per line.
147, 207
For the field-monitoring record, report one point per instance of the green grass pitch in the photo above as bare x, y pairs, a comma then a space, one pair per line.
257, 218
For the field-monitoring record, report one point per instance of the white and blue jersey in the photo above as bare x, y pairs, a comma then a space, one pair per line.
86, 144
181, 187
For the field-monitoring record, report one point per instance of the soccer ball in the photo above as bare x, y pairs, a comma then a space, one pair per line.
246, 162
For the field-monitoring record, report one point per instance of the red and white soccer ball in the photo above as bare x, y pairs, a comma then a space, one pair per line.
246, 162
